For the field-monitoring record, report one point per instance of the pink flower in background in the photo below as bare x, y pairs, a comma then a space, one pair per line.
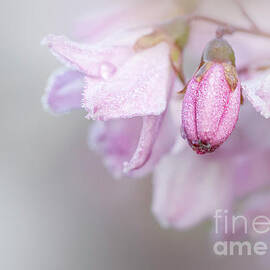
132, 96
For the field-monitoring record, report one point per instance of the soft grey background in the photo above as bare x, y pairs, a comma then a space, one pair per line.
59, 208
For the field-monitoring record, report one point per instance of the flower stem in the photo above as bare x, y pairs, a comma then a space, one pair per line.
229, 29
246, 15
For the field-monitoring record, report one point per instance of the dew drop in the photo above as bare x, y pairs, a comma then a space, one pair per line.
107, 70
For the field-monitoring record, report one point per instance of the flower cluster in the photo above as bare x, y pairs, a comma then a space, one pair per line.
126, 70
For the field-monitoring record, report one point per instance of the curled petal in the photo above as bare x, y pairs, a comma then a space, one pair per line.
163, 143
257, 91
188, 189
157, 138
89, 60
64, 91
116, 141
139, 88
133, 146
148, 135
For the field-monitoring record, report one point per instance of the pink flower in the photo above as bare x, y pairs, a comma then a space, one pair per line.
128, 90
132, 97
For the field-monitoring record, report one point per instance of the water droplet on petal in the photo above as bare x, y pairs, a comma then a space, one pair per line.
107, 70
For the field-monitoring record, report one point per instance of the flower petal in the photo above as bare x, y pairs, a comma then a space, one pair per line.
187, 189
64, 91
239, 225
89, 60
139, 88
116, 141
130, 16
251, 172
148, 135
133, 146
158, 136
257, 91
254, 207
100, 25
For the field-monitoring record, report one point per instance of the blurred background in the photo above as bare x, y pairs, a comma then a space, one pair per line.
59, 208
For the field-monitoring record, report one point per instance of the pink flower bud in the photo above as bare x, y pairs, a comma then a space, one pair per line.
211, 104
